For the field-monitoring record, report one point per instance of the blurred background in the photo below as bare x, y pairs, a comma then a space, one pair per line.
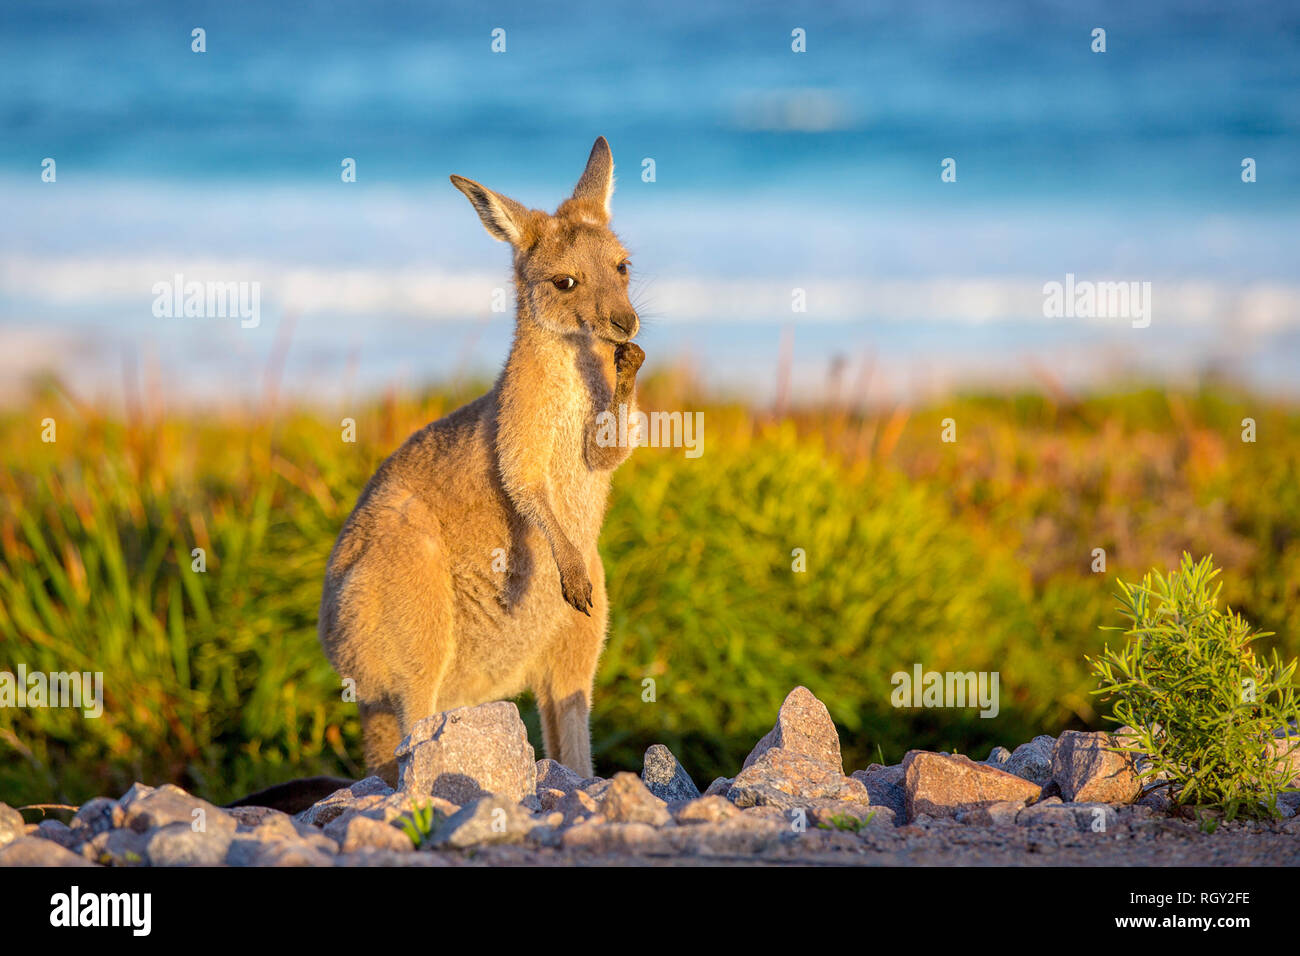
773, 171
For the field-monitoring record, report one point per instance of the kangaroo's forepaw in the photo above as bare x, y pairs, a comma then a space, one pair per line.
628, 357
576, 587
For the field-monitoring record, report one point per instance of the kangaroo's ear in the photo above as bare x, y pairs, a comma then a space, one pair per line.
502, 217
597, 183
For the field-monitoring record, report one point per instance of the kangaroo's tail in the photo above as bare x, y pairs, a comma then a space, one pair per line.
294, 796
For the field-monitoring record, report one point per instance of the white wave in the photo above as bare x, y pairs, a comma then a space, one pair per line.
38, 286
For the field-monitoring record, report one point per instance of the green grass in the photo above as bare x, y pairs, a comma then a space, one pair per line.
965, 556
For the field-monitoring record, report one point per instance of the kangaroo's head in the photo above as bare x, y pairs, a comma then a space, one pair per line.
571, 272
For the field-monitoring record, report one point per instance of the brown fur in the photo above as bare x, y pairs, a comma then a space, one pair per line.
413, 609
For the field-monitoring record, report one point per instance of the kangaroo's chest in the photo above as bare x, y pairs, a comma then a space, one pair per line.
578, 493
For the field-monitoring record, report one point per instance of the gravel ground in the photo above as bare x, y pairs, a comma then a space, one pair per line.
1157, 842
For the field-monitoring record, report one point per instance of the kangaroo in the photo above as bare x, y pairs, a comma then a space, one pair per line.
468, 570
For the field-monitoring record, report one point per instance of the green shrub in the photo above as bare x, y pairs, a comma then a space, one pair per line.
1204, 708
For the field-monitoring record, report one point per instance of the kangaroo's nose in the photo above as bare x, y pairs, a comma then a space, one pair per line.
625, 322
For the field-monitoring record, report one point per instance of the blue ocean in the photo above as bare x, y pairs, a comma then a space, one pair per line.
887, 187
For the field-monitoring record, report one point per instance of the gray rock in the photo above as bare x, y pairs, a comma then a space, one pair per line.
491, 819
12, 824
719, 787
623, 838
787, 780
556, 776
342, 800
60, 833
628, 800
384, 810
365, 833
290, 853
170, 804
885, 787
33, 851
1032, 761
464, 754
835, 814
803, 726
137, 791
577, 805
1084, 817
666, 778
117, 848
179, 844
251, 818
1000, 813
1088, 767
98, 816
997, 757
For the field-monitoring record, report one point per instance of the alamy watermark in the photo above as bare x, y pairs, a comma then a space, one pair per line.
80, 689
656, 430
923, 688
176, 298
1085, 299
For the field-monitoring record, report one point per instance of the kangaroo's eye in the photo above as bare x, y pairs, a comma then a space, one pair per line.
564, 283
623, 267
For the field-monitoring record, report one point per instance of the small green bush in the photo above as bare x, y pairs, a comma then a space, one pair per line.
1204, 708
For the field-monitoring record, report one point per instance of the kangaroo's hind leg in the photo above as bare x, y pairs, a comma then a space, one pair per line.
380, 735
398, 617
564, 690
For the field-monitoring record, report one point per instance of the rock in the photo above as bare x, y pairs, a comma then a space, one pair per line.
367, 833
835, 814
940, 785
340, 801
179, 844
1085, 817
803, 726
1032, 761
1288, 804
1159, 801
577, 805
387, 810
666, 778
60, 833
1000, 813
634, 838
742, 835
290, 853
885, 787
33, 851
556, 776
117, 848
628, 800
713, 809
12, 824
464, 754
137, 791
548, 799
997, 757
170, 804
775, 814
1088, 768
1286, 750
253, 817
98, 816
784, 779
719, 787
490, 819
